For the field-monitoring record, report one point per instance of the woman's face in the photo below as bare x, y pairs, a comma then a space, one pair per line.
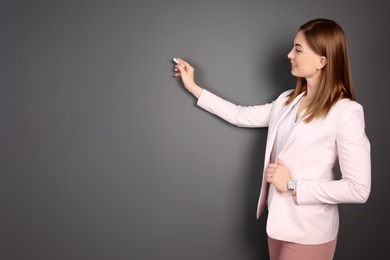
304, 62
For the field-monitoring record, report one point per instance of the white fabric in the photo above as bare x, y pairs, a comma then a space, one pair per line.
284, 131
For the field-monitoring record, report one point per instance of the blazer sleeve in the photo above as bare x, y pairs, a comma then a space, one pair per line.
353, 148
242, 116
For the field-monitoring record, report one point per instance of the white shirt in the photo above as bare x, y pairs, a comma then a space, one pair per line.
283, 133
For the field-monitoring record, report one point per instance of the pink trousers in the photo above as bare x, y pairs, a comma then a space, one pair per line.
282, 250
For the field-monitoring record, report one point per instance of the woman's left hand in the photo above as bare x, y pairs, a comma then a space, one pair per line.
278, 175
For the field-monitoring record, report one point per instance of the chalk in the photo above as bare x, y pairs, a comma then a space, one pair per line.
178, 62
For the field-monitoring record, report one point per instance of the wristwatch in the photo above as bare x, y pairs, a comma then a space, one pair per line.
291, 186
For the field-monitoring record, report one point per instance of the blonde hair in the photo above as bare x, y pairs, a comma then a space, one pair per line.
326, 38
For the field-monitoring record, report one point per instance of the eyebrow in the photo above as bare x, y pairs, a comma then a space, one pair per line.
297, 45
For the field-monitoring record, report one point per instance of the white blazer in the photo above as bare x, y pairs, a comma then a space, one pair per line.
312, 153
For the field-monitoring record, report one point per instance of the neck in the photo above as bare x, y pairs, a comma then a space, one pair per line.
311, 88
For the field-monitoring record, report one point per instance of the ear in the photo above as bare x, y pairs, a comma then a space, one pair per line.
322, 62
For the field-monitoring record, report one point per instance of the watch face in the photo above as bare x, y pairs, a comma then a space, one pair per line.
291, 185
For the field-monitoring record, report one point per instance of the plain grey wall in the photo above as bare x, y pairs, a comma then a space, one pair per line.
103, 154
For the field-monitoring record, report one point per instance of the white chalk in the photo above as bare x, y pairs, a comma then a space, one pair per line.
178, 62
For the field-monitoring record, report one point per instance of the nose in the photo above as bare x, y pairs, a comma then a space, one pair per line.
290, 55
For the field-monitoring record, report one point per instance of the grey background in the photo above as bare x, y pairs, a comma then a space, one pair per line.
104, 155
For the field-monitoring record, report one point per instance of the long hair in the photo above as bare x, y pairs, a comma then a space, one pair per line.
326, 38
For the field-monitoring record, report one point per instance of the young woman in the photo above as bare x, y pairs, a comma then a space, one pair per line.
312, 130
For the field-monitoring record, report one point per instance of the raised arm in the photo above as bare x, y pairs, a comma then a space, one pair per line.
242, 116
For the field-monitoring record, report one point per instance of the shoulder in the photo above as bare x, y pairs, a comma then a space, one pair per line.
346, 105
346, 110
284, 95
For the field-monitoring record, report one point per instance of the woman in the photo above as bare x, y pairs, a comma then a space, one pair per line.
312, 130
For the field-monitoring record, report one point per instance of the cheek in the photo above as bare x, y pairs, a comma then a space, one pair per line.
305, 67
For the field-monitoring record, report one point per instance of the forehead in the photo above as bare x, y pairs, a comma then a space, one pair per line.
300, 39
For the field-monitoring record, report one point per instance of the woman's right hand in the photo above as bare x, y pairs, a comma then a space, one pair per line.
186, 72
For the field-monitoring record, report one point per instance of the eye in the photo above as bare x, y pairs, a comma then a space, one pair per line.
296, 48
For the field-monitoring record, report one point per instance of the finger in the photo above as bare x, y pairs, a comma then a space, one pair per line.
177, 69
178, 62
272, 172
270, 178
186, 64
177, 72
272, 168
280, 162
181, 68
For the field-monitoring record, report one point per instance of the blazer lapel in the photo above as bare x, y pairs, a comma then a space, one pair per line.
293, 135
274, 127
